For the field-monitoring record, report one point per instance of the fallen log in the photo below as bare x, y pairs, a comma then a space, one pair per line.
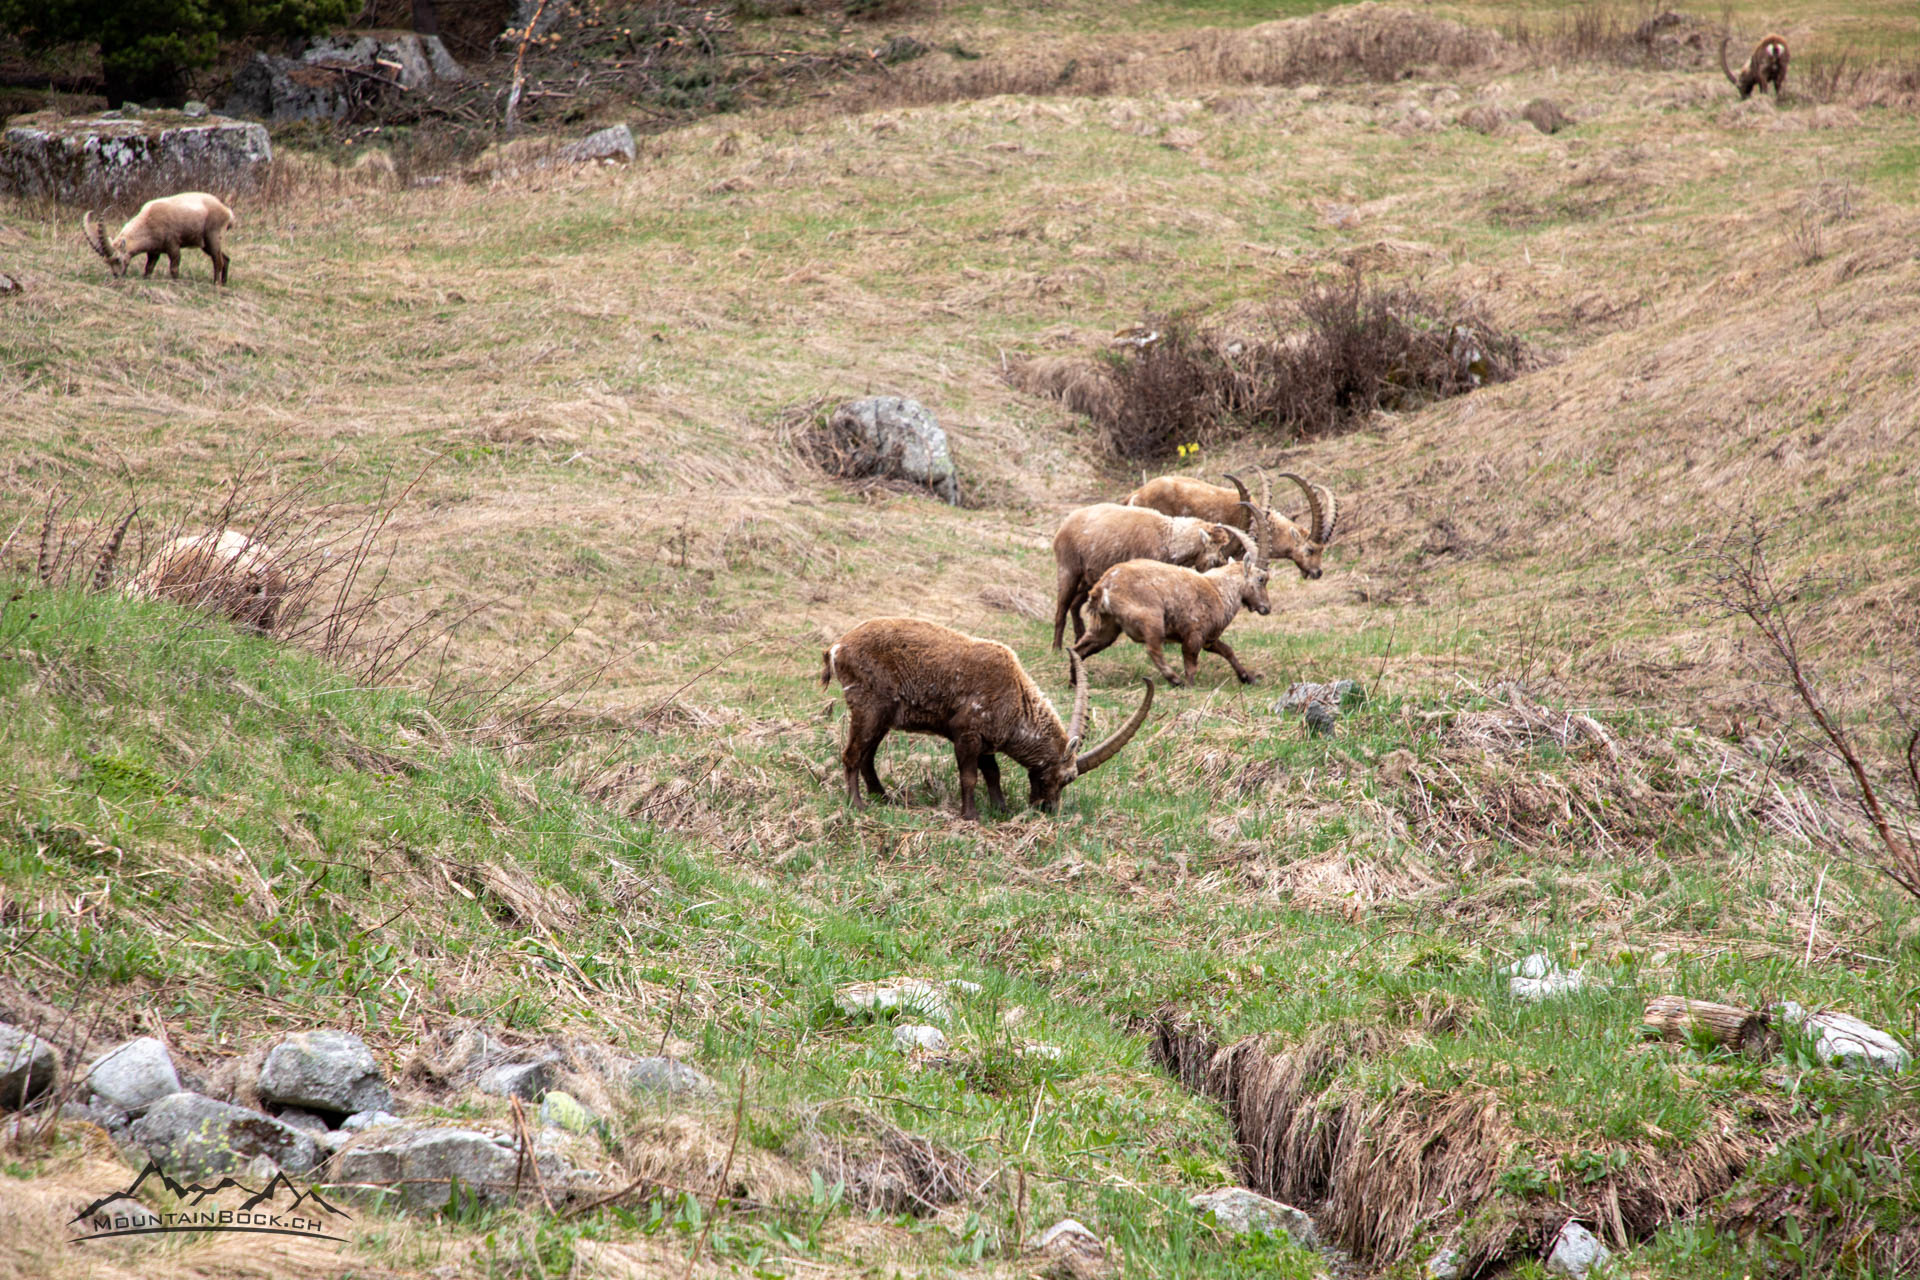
1677, 1018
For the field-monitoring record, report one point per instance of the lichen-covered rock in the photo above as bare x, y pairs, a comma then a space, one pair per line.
896, 437
324, 1071
561, 1110
665, 1075
416, 1168
615, 143
133, 1076
191, 1136
115, 156
28, 1067
1245, 1212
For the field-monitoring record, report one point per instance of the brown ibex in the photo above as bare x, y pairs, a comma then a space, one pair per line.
230, 572
1185, 496
1093, 539
919, 677
1150, 602
1766, 65
191, 220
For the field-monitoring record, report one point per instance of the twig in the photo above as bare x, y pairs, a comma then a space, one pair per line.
1814, 919
726, 1170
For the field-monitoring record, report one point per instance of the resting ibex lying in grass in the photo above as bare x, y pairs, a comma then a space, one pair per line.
1151, 602
920, 677
1094, 539
228, 571
191, 220
1766, 65
1183, 496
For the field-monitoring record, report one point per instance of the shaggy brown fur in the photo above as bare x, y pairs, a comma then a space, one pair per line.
1093, 539
1185, 496
191, 220
1150, 601
919, 677
1766, 65
227, 571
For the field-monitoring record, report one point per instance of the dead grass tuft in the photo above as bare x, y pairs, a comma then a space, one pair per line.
1381, 1168
884, 1167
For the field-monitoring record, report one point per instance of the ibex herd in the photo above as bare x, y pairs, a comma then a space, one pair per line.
1175, 561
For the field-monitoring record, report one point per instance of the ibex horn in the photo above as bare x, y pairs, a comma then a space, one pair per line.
96, 235
1077, 725
1314, 505
1107, 750
1244, 495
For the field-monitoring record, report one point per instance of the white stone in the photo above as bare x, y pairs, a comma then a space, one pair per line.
1845, 1039
615, 143
1245, 1212
1062, 1230
1538, 978
909, 1036
1444, 1265
1047, 1052
908, 995
1576, 1251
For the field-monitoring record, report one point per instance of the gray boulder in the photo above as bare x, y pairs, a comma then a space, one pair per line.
336, 76
415, 1168
28, 1067
1245, 1212
1576, 1251
528, 1080
1844, 1039
134, 1075
559, 1110
112, 157
894, 437
615, 143
304, 1121
664, 1075
324, 1071
191, 1136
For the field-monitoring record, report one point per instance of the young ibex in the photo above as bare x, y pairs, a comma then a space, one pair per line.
1183, 496
1093, 539
920, 677
227, 571
192, 220
1151, 602
1766, 65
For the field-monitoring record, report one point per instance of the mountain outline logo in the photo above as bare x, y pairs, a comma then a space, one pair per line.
304, 1215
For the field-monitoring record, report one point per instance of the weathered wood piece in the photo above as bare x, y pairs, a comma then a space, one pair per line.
1677, 1018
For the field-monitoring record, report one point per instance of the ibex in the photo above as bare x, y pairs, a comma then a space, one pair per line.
1766, 65
192, 220
227, 571
899, 673
1093, 539
1150, 602
1183, 496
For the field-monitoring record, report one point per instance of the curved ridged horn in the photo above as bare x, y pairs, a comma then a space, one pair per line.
1314, 505
1264, 525
1244, 495
1107, 750
1253, 555
1077, 725
1325, 535
96, 235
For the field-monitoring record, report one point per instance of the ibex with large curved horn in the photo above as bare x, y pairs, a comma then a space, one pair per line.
1151, 602
1091, 540
1185, 496
920, 677
191, 220
1766, 65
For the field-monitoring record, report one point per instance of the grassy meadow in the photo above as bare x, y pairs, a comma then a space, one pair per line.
602, 798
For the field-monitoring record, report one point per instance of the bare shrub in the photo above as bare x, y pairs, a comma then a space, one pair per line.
333, 557
1740, 583
1628, 35
1331, 355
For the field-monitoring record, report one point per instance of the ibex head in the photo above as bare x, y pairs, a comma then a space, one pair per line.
115, 253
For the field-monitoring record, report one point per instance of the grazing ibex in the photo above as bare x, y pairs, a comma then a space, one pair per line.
192, 220
1183, 496
227, 571
1093, 539
899, 673
1151, 602
1766, 65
